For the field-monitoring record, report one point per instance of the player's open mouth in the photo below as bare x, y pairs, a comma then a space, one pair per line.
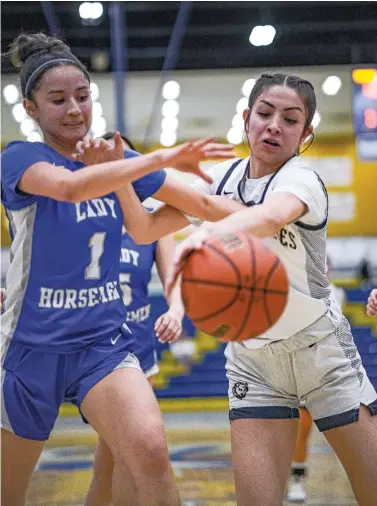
271, 142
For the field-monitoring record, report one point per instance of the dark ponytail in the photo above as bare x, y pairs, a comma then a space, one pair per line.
35, 53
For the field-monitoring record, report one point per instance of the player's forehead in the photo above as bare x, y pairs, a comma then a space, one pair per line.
64, 78
281, 97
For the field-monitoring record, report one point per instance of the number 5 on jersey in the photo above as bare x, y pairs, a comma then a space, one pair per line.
124, 281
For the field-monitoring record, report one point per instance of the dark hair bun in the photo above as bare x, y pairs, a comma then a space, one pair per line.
26, 45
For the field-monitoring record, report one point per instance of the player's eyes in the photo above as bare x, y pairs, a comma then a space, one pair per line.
59, 101
290, 121
264, 114
83, 98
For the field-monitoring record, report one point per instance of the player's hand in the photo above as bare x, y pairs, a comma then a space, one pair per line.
372, 303
193, 242
168, 327
93, 151
186, 157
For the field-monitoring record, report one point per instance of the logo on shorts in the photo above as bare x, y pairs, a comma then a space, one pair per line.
240, 389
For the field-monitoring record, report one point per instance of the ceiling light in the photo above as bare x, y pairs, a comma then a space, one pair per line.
168, 138
316, 119
11, 93
238, 122
27, 126
248, 86
34, 137
97, 110
234, 136
262, 35
242, 104
170, 108
332, 85
171, 90
19, 113
94, 91
169, 123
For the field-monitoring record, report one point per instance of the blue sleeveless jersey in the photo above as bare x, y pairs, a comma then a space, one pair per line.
62, 288
136, 262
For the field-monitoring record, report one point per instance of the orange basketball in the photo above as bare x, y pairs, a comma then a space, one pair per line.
234, 288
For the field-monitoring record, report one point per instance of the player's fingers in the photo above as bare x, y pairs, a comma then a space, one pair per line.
373, 296
169, 331
97, 143
203, 142
372, 308
80, 147
118, 141
371, 311
87, 142
161, 325
176, 334
218, 146
219, 153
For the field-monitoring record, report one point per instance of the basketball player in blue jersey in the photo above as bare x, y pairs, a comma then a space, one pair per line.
285, 204
64, 336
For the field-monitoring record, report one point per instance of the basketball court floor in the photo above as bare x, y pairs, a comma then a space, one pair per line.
200, 453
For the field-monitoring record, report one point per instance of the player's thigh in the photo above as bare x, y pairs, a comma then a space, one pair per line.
124, 411
262, 451
19, 457
356, 446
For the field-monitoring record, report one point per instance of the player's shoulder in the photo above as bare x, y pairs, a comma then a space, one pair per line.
298, 169
226, 168
21, 150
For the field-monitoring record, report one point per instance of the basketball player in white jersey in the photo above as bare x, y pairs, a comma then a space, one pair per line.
309, 355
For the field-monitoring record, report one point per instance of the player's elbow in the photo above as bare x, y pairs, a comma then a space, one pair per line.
67, 191
139, 235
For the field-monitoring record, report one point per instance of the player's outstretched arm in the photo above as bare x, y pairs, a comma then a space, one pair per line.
145, 227
168, 326
45, 179
372, 303
264, 220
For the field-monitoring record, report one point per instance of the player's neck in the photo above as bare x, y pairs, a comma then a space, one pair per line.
63, 149
258, 168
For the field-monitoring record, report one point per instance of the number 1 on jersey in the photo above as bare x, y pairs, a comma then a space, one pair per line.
96, 245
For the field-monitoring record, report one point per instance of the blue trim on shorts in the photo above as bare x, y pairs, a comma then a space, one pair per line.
266, 412
346, 418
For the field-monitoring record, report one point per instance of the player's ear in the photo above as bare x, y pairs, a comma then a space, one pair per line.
30, 108
306, 133
246, 117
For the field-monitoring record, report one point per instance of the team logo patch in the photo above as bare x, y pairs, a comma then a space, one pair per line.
240, 389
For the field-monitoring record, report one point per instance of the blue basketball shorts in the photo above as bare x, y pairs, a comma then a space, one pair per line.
145, 351
35, 383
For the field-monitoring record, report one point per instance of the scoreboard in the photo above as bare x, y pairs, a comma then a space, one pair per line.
364, 106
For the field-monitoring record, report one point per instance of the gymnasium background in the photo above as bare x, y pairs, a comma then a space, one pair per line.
164, 72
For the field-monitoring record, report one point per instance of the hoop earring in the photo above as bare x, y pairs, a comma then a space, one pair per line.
307, 147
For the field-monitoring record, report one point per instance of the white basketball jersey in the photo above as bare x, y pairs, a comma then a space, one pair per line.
301, 246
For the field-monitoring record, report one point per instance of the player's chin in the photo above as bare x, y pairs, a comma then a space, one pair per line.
75, 134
